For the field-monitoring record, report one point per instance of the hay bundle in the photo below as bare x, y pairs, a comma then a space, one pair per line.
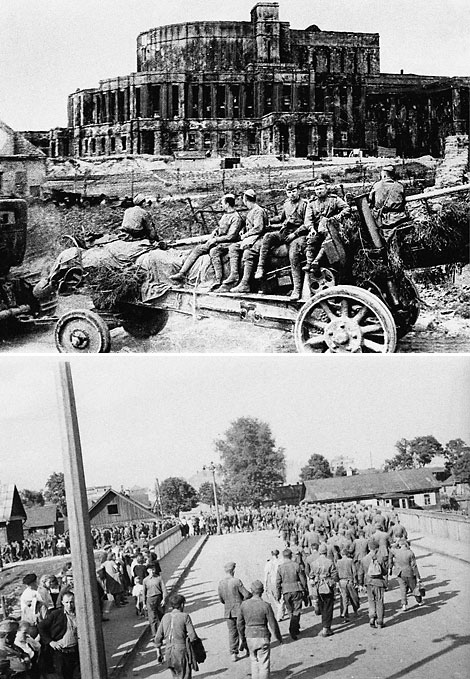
111, 285
439, 238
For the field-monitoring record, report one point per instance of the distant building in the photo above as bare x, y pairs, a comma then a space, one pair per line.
12, 514
238, 88
288, 494
405, 488
116, 508
45, 519
22, 165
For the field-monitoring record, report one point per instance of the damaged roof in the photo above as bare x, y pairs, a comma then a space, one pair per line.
370, 485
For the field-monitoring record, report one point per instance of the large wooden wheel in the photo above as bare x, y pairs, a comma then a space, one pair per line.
143, 322
82, 332
345, 319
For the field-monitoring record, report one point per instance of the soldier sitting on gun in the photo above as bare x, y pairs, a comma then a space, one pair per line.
322, 215
137, 222
291, 233
250, 244
218, 243
387, 200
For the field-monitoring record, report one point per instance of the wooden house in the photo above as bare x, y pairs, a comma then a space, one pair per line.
114, 508
12, 514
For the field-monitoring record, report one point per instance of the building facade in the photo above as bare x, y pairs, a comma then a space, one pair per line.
260, 87
22, 165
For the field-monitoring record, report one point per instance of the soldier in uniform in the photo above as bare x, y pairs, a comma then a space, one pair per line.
291, 585
323, 215
249, 245
137, 223
324, 575
255, 618
403, 565
231, 593
375, 569
290, 233
218, 243
387, 200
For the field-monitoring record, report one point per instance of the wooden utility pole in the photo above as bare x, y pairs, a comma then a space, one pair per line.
90, 633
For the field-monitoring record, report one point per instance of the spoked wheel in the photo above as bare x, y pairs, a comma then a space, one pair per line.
409, 297
82, 332
143, 322
345, 319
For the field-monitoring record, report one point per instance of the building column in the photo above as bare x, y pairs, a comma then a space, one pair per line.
213, 100
457, 118
242, 99
228, 102
144, 101
315, 140
330, 140
200, 102
259, 99
311, 93
181, 101
292, 140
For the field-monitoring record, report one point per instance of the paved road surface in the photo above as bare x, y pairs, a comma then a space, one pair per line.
429, 642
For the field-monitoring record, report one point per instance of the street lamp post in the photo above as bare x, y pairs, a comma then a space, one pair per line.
211, 468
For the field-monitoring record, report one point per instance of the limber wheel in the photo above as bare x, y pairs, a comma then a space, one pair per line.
345, 319
143, 322
82, 332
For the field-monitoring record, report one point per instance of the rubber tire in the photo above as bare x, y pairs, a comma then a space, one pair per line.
144, 322
85, 320
354, 293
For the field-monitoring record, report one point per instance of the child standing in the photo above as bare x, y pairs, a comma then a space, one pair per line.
138, 594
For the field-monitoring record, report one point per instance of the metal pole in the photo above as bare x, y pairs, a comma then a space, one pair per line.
90, 633
216, 502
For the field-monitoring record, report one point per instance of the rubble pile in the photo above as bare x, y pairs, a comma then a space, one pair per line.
452, 170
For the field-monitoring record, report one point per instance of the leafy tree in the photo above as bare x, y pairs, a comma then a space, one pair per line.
55, 491
317, 467
340, 471
177, 496
453, 451
415, 453
32, 498
206, 493
461, 468
252, 465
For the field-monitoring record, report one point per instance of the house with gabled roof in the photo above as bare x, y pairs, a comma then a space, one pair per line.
117, 508
405, 488
12, 514
44, 519
22, 165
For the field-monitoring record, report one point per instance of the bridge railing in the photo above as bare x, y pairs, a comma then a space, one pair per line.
165, 542
451, 527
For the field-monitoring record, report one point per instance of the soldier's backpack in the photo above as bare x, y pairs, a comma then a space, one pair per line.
374, 569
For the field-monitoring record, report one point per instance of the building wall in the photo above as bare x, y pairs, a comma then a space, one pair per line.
440, 525
208, 86
21, 175
117, 510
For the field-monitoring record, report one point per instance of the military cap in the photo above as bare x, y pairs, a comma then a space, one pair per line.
275, 552
322, 549
230, 566
7, 626
373, 544
291, 186
320, 182
389, 168
287, 552
30, 578
257, 586
250, 193
228, 195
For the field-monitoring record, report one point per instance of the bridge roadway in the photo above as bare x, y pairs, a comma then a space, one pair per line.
431, 641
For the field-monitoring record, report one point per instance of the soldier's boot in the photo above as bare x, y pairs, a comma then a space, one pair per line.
218, 271
297, 281
233, 276
244, 285
187, 264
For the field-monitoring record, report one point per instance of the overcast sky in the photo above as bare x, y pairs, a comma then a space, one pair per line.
49, 48
146, 417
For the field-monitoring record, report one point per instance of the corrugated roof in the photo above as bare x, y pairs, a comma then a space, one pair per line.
10, 503
370, 485
41, 517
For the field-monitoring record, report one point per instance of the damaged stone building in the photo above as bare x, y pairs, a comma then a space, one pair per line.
261, 87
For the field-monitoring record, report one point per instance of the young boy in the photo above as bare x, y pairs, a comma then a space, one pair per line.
138, 594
